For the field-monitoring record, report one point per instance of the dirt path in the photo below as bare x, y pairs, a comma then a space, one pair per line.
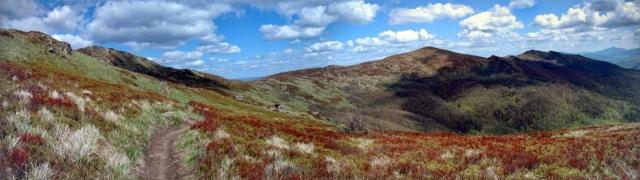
161, 160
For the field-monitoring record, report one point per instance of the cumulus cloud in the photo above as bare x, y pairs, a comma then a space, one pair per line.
370, 41
313, 19
221, 47
63, 19
314, 16
325, 46
522, 3
211, 38
429, 13
74, 40
274, 32
180, 56
195, 63
405, 36
11, 10
156, 23
59, 20
358, 12
496, 21
391, 38
592, 15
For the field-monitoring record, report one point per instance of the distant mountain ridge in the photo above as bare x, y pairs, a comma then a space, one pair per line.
628, 58
142, 65
435, 89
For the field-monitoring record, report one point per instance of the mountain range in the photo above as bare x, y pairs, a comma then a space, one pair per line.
101, 113
434, 89
628, 58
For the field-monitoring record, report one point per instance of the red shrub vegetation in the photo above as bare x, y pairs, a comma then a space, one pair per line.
30, 138
18, 157
250, 170
41, 100
11, 70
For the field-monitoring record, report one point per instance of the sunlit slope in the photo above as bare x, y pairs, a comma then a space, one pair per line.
433, 89
65, 115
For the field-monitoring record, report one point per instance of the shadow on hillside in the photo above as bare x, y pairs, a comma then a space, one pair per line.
525, 107
428, 96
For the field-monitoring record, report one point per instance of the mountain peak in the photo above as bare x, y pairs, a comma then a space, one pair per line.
536, 55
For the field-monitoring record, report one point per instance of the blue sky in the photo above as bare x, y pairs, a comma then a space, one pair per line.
254, 38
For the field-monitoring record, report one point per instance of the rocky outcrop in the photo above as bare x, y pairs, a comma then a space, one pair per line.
49, 44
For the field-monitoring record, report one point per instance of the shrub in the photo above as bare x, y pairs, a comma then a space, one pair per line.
29, 138
18, 157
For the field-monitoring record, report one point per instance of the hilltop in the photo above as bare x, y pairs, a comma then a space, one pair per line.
434, 89
68, 115
142, 65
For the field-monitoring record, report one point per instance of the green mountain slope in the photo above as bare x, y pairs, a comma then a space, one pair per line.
434, 89
76, 117
66, 115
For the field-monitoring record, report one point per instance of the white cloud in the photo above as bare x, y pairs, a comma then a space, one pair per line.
314, 16
274, 32
18, 9
325, 46
59, 20
370, 41
74, 40
63, 19
496, 21
391, 38
572, 18
313, 19
195, 63
211, 38
405, 36
522, 3
27, 24
429, 13
178, 56
153, 23
221, 47
358, 12
593, 15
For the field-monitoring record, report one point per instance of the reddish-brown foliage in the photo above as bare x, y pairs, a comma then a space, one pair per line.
30, 138
221, 147
40, 100
250, 170
11, 70
18, 157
